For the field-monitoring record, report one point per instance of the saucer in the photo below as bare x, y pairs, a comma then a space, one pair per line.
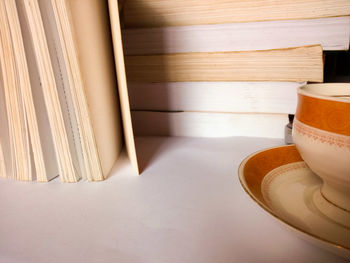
283, 185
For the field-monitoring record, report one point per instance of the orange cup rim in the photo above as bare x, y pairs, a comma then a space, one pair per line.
327, 91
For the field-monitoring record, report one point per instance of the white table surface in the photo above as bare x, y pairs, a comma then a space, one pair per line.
187, 206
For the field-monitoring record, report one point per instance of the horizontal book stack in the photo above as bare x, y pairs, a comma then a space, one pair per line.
225, 68
59, 107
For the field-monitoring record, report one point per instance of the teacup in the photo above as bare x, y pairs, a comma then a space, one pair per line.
321, 133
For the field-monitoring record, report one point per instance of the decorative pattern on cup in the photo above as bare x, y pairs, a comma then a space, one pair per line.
332, 139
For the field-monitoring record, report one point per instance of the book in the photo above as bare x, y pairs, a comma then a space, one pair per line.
262, 97
122, 82
293, 64
5, 147
332, 33
15, 105
209, 124
60, 85
158, 13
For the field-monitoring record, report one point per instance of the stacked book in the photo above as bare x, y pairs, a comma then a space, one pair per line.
194, 68
59, 107
225, 68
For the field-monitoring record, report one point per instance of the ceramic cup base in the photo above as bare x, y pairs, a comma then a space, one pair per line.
337, 195
330, 210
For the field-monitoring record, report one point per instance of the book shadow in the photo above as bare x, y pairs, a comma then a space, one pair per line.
149, 149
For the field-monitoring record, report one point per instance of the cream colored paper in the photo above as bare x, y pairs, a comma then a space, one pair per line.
157, 13
42, 165
18, 129
65, 34
122, 84
45, 134
93, 43
47, 77
332, 33
4, 134
63, 86
293, 64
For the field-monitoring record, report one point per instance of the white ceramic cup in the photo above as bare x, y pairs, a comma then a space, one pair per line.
321, 133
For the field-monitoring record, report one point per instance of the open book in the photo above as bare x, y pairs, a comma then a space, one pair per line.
60, 111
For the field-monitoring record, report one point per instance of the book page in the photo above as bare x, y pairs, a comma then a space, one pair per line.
32, 16
4, 133
291, 64
94, 46
332, 33
62, 85
158, 13
122, 84
47, 144
18, 128
23, 79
